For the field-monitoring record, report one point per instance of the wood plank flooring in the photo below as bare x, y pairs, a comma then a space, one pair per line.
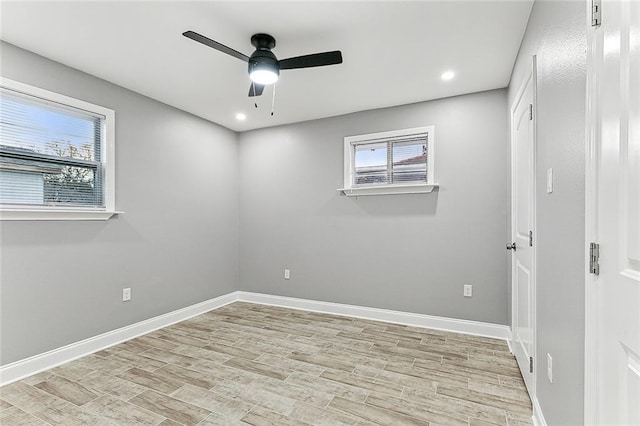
260, 365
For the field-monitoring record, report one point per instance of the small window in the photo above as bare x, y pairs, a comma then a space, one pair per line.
56, 154
390, 162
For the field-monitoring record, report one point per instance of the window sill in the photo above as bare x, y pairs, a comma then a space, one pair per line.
57, 214
388, 190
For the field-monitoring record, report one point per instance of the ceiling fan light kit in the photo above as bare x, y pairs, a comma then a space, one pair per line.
264, 67
263, 74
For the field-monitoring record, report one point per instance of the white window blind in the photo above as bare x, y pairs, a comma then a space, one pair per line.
51, 154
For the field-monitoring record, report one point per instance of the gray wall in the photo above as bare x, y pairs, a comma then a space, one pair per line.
404, 252
176, 245
556, 33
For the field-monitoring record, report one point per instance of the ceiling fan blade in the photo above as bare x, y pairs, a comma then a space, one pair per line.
313, 60
214, 44
258, 89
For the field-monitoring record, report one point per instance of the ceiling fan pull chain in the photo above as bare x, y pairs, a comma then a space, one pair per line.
253, 84
273, 99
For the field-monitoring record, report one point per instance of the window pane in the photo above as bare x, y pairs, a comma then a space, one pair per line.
31, 124
73, 185
409, 161
49, 153
50, 185
370, 164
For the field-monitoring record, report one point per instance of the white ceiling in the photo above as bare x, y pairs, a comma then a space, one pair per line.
394, 52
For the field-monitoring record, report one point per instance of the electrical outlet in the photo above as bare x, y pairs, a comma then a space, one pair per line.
287, 274
549, 181
468, 290
126, 294
550, 368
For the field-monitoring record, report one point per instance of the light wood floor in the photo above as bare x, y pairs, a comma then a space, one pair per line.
261, 365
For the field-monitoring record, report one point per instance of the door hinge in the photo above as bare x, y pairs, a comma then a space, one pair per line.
530, 238
530, 364
594, 258
530, 111
596, 13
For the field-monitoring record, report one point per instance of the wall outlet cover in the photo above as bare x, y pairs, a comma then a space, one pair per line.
549, 181
287, 274
550, 368
126, 294
468, 290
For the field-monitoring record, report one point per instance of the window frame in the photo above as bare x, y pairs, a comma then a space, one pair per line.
107, 157
352, 189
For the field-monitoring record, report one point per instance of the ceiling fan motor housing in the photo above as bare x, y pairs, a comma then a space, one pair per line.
263, 41
263, 58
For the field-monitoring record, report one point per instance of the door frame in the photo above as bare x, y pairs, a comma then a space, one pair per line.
530, 76
592, 157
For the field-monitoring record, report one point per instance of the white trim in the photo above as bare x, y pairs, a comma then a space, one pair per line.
349, 141
47, 95
592, 131
108, 159
109, 153
538, 417
475, 328
26, 367
57, 214
420, 188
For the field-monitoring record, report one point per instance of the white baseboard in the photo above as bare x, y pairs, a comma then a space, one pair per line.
26, 367
538, 418
476, 328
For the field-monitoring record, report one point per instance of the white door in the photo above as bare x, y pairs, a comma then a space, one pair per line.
522, 227
613, 218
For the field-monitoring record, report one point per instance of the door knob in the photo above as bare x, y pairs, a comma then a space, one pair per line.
511, 246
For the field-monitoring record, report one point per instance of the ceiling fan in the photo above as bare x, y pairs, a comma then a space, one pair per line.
264, 67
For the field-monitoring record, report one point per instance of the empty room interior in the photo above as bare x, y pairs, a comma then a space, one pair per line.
320, 213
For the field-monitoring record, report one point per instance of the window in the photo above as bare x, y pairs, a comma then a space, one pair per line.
396, 162
56, 156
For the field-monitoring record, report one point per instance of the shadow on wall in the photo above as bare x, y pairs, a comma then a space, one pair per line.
382, 205
54, 234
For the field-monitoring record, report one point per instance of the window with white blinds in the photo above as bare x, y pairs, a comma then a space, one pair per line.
389, 159
56, 152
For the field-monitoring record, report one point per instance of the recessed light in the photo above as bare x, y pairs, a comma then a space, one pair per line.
241, 117
448, 75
